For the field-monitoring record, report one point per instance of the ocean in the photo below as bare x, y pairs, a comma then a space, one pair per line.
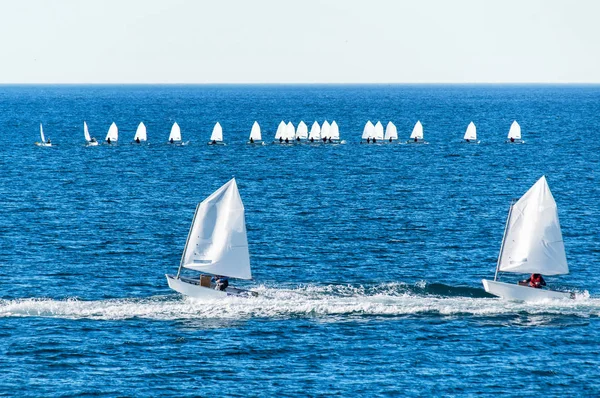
368, 259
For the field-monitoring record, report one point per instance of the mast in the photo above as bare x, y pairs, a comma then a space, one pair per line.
187, 241
503, 238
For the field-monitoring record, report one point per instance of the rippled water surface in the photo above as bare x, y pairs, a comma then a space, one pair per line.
368, 259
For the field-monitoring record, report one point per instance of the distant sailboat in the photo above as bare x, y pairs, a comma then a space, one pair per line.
290, 133
43, 142
391, 133
325, 131
315, 132
140, 134
280, 133
91, 141
378, 134
175, 136
255, 136
216, 137
417, 134
514, 134
368, 131
113, 134
532, 243
301, 131
216, 245
471, 134
334, 131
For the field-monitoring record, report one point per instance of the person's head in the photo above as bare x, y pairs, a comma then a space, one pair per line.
536, 275
374, 140
512, 139
171, 140
280, 139
390, 139
416, 139
251, 139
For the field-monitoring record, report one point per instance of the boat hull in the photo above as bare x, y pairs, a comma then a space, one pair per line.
192, 288
522, 293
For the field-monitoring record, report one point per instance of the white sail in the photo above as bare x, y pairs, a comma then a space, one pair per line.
175, 133
533, 240
302, 131
325, 130
217, 241
417, 131
334, 131
369, 130
290, 132
471, 133
86, 132
280, 133
42, 134
515, 131
255, 132
378, 135
113, 133
315, 132
140, 132
217, 133
391, 132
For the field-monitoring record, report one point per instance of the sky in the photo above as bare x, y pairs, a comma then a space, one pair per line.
299, 41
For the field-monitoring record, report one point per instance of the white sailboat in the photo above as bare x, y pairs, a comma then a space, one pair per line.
416, 137
280, 133
43, 141
514, 134
216, 138
301, 131
290, 133
391, 132
378, 134
368, 131
315, 132
325, 131
532, 243
91, 141
140, 133
471, 134
113, 134
334, 131
255, 136
175, 135
216, 245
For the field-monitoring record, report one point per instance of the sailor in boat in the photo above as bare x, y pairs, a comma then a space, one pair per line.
466, 140
93, 139
214, 142
368, 140
535, 281
330, 141
280, 140
374, 140
108, 140
512, 139
298, 139
251, 140
312, 139
390, 139
221, 282
171, 140
48, 141
287, 140
416, 139
137, 140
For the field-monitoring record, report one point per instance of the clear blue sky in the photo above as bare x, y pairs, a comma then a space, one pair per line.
307, 41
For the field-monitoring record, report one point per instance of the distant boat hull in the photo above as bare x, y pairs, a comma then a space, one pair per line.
470, 141
92, 143
522, 293
192, 288
519, 141
216, 143
417, 142
42, 144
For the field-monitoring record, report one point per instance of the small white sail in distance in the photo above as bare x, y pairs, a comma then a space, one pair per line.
315, 132
86, 132
280, 133
290, 131
334, 131
217, 241
217, 133
255, 132
391, 132
417, 131
325, 130
302, 131
42, 134
368, 131
113, 133
533, 241
378, 135
515, 131
140, 133
471, 133
175, 133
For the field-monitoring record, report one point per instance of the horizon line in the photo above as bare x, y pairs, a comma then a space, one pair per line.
296, 83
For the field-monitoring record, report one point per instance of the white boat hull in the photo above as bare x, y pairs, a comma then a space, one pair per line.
522, 293
186, 287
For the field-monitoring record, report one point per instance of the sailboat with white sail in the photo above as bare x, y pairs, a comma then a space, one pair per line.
532, 244
175, 135
334, 133
378, 135
216, 246
280, 133
514, 134
301, 131
91, 141
416, 137
391, 132
140, 134
470, 136
216, 137
315, 133
368, 132
44, 141
255, 135
113, 134
325, 131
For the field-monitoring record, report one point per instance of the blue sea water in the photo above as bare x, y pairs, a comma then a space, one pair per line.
368, 258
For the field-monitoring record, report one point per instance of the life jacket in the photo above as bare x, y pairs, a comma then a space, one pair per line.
535, 282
